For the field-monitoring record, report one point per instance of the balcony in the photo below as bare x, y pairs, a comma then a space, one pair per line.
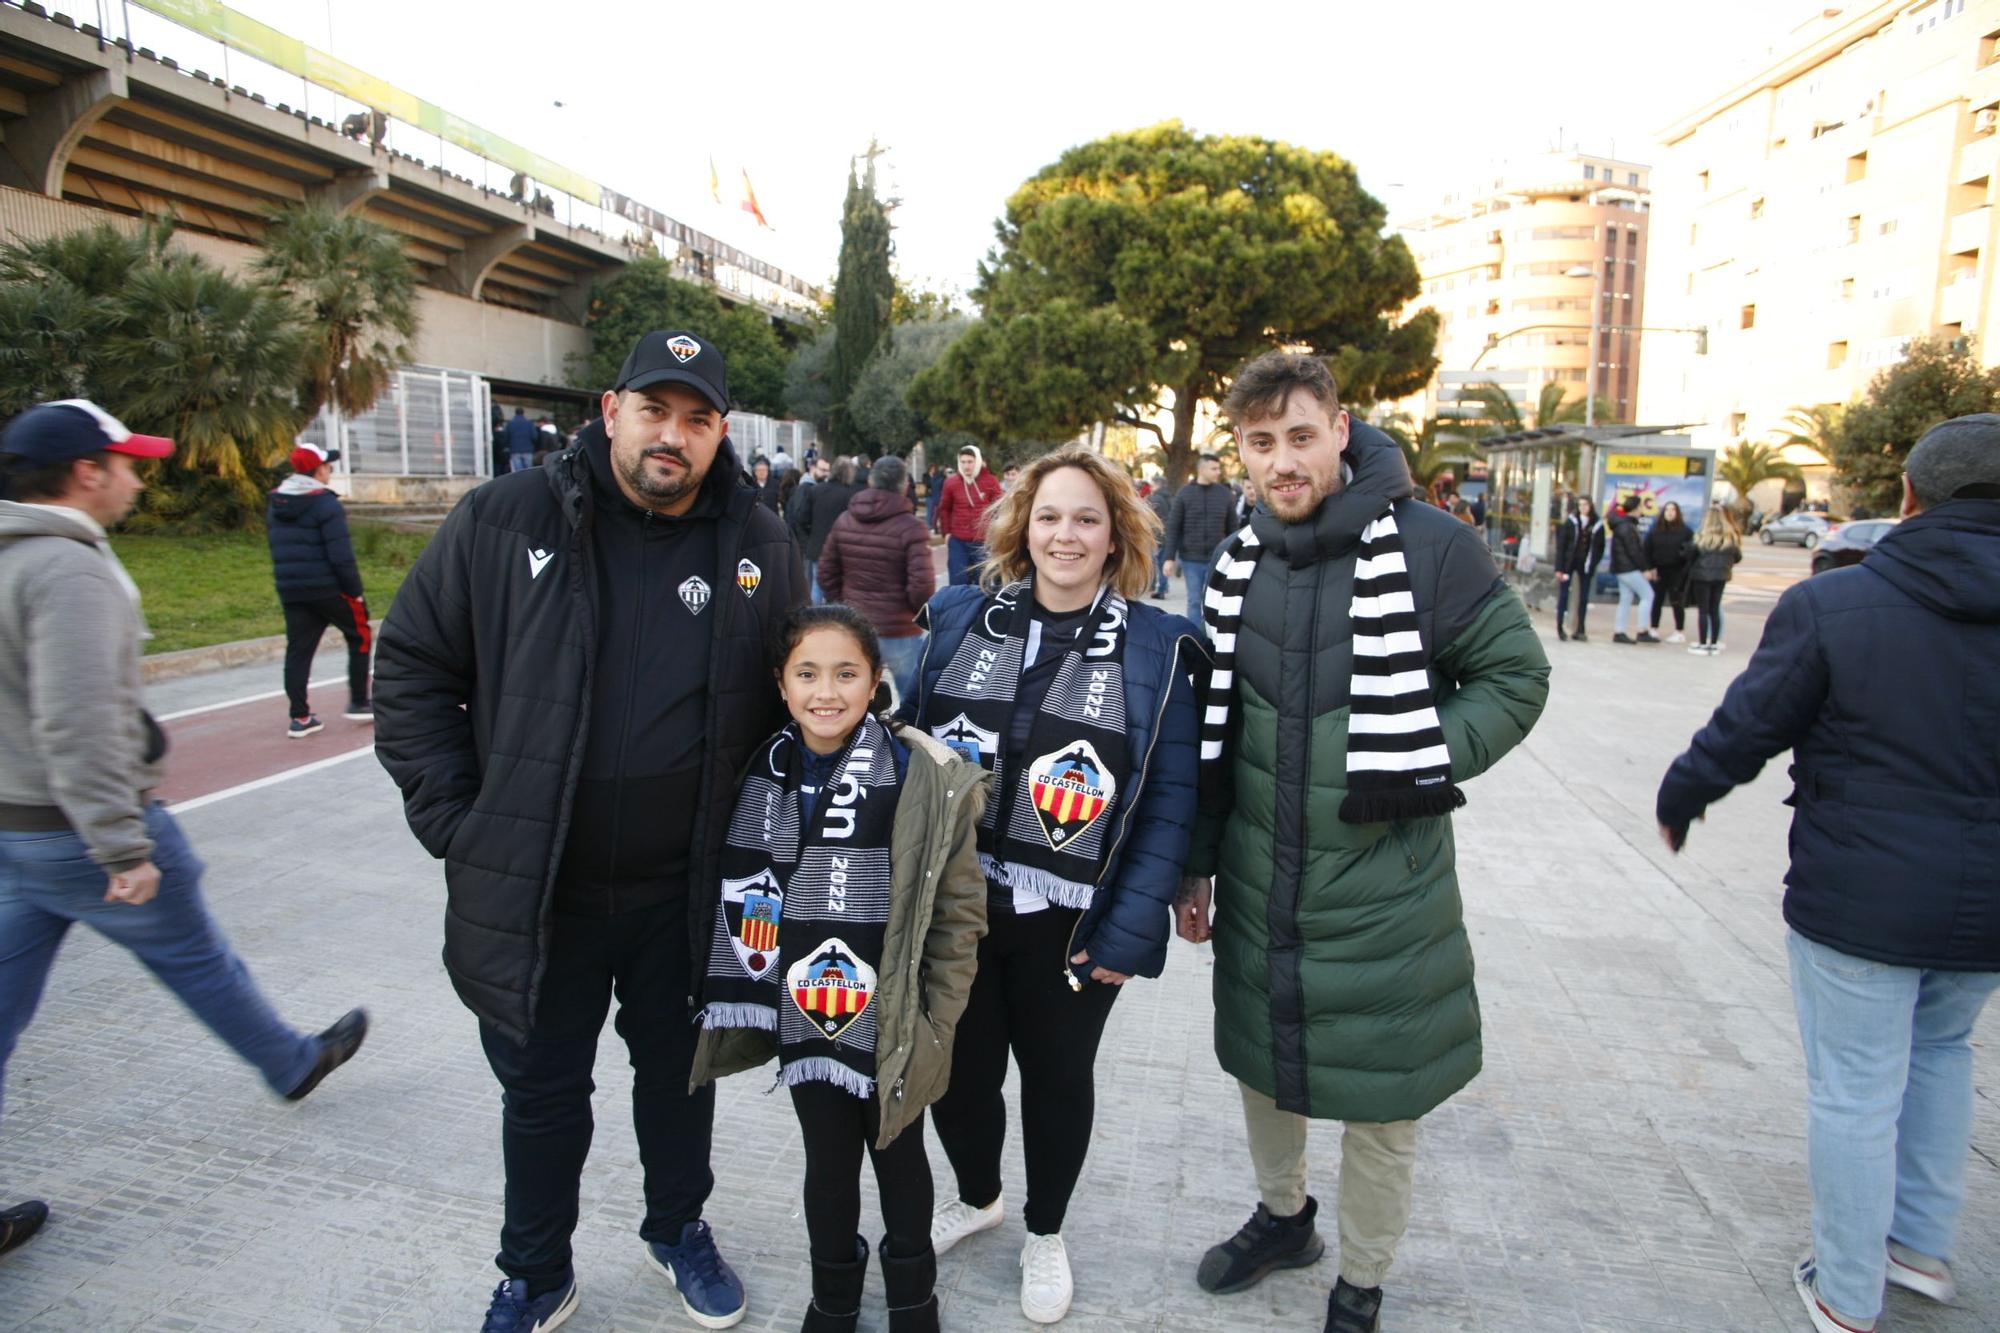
1983, 89
1978, 159
1969, 230
1958, 302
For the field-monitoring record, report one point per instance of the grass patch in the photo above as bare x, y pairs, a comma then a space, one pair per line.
217, 588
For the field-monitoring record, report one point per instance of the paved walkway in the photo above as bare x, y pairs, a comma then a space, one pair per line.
1630, 1160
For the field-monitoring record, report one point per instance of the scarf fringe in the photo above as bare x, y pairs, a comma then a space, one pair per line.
1386, 807
826, 1069
1042, 883
740, 1015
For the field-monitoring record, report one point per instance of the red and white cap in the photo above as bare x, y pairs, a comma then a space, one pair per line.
71, 428
308, 457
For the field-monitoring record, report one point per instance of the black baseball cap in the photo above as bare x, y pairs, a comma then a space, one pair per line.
675, 356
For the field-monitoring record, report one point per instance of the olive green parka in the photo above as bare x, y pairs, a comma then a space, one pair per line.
1343, 975
937, 915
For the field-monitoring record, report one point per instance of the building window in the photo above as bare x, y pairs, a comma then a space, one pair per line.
1857, 168
1631, 178
1589, 172
1556, 234
1736, 420
1888, 227
1836, 355
1748, 317
1854, 229
1847, 289
1701, 178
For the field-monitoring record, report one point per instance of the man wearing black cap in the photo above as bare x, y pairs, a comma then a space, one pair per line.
568, 684
81, 839
1883, 680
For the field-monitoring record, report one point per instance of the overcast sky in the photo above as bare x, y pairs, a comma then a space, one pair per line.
971, 100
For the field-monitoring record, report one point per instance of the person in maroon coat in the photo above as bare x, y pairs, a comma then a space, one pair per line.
877, 559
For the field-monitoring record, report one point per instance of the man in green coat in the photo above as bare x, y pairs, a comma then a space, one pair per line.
1369, 658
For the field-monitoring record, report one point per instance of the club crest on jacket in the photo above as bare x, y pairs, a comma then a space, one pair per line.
831, 987
748, 576
753, 907
1070, 789
694, 593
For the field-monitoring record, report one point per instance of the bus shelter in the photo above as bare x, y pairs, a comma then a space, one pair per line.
1535, 475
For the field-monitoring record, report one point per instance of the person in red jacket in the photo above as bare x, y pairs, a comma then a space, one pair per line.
961, 513
877, 559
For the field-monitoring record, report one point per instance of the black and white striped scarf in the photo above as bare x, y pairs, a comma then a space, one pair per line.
1397, 763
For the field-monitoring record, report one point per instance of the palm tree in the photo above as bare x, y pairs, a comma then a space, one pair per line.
1428, 454
214, 362
359, 292
1814, 427
1746, 465
1501, 415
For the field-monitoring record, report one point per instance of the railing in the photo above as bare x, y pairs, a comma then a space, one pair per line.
429, 422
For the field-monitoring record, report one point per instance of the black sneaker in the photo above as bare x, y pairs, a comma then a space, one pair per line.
1579, 637
1352, 1309
1645, 637
337, 1046
1622, 637
302, 727
20, 1222
360, 711
1264, 1243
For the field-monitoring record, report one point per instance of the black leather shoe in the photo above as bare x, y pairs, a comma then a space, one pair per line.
337, 1046
20, 1222
1352, 1309
1264, 1243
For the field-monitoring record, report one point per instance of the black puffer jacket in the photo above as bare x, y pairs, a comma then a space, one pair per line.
828, 501
1628, 548
311, 554
1202, 518
483, 684
1579, 550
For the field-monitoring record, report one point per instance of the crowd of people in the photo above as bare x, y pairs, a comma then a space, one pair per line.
1669, 566
912, 832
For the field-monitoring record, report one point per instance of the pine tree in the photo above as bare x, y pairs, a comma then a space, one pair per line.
864, 293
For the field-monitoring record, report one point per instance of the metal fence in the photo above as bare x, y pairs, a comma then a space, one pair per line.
756, 436
430, 422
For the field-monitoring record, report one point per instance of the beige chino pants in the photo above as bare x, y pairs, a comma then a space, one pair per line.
1377, 1163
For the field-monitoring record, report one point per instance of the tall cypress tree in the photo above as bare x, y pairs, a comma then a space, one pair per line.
863, 294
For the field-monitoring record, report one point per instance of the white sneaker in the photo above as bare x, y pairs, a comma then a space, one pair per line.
956, 1220
1698, 648
1921, 1273
1824, 1320
1677, 637
1045, 1282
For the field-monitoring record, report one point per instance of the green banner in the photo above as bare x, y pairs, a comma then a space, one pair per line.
242, 33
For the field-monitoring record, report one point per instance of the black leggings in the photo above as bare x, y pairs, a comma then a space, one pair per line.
1672, 587
1021, 1001
1707, 599
836, 1126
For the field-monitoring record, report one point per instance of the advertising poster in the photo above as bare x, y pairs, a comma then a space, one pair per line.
1655, 476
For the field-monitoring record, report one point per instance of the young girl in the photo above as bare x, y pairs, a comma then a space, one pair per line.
1717, 548
845, 943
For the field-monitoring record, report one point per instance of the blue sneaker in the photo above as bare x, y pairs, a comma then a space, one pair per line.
302, 727
711, 1293
512, 1311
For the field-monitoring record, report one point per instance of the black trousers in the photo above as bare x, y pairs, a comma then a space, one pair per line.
1672, 588
1707, 599
1581, 584
836, 1126
545, 1122
1021, 1001
305, 622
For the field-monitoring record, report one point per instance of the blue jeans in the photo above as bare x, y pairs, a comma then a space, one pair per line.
520, 462
47, 882
1196, 574
902, 657
1634, 589
812, 581
1889, 1111
960, 556
1159, 573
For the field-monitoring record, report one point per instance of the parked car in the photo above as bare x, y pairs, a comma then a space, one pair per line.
1848, 542
1797, 527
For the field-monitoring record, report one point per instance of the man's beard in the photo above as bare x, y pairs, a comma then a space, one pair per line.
665, 490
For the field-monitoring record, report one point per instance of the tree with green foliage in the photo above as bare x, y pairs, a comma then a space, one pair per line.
1746, 466
864, 294
1187, 254
809, 383
879, 410
1499, 414
175, 347
1934, 382
1431, 449
358, 289
644, 296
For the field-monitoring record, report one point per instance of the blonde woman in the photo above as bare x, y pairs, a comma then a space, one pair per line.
1717, 548
1057, 679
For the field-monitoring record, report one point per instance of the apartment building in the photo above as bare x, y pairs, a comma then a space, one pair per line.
1822, 212
1512, 267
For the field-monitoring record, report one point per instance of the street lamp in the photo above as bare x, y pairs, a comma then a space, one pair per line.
1596, 277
